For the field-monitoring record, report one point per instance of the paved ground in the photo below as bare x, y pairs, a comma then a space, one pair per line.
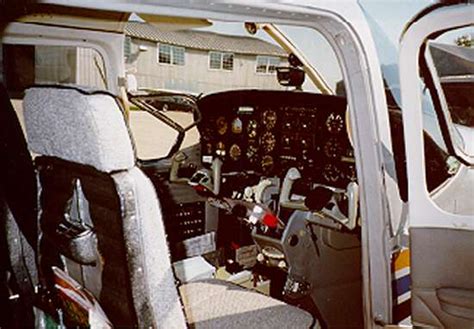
153, 138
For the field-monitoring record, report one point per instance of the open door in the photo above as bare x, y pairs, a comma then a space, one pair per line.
440, 173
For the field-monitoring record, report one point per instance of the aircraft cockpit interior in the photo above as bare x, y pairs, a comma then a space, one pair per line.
241, 131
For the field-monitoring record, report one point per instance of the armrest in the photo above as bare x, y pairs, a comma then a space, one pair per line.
456, 301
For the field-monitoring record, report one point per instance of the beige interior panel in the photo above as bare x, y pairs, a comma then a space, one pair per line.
442, 277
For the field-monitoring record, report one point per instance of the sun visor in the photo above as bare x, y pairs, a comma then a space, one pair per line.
167, 23
87, 19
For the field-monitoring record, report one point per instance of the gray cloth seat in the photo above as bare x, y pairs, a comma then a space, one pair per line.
82, 137
221, 304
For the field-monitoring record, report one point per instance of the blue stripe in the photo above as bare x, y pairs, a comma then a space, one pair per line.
401, 286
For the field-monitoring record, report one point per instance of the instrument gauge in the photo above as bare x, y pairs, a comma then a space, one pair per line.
221, 124
334, 123
267, 163
236, 126
268, 142
351, 173
269, 119
252, 128
332, 148
235, 152
252, 151
220, 149
331, 173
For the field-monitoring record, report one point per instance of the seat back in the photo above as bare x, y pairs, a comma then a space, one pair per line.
98, 210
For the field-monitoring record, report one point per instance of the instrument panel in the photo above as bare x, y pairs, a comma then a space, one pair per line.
267, 132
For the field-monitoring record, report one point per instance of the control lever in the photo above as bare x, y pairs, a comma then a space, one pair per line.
202, 182
326, 201
207, 182
178, 158
323, 200
291, 176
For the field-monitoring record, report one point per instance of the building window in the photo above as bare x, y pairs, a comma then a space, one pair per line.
221, 61
127, 46
267, 64
168, 54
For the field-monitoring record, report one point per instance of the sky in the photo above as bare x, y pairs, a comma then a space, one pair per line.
390, 15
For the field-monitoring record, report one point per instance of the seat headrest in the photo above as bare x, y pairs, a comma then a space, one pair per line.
78, 125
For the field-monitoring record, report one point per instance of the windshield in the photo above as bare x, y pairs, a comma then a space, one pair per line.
216, 57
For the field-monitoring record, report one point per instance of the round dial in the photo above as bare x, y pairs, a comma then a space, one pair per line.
332, 148
251, 153
235, 152
236, 126
221, 125
334, 123
220, 149
269, 119
252, 128
267, 163
331, 173
351, 173
268, 142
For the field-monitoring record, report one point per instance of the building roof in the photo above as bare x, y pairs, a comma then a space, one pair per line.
204, 40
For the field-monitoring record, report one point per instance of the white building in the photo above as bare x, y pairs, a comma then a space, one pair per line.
200, 61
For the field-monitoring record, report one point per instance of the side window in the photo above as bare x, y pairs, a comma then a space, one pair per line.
27, 65
448, 73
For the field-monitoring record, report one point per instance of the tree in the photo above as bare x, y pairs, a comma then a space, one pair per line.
465, 41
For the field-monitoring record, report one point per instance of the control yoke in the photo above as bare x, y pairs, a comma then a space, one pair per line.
337, 204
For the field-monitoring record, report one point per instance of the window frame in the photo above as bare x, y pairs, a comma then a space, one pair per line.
222, 54
127, 46
172, 56
267, 59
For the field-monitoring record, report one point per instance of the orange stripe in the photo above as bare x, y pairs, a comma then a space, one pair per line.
402, 259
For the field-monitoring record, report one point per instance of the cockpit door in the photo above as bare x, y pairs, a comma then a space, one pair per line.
441, 237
